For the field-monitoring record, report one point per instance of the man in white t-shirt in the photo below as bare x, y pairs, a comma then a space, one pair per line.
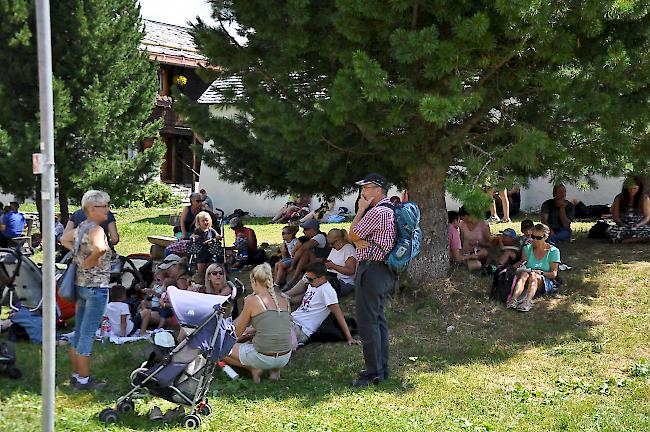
317, 303
118, 312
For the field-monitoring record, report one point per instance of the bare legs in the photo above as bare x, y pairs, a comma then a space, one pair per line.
80, 364
476, 264
280, 272
505, 205
233, 360
296, 293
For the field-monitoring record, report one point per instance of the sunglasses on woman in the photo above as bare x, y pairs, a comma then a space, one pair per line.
534, 237
310, 279
217, 273
285, 233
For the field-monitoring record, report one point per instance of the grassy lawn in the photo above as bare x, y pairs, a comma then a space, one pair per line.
459, 362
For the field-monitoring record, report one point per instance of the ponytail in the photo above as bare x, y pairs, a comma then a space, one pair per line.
263, 275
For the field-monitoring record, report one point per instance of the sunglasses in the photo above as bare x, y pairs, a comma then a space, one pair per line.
285, 233
310, 279
217, 273
104, 206
537, 237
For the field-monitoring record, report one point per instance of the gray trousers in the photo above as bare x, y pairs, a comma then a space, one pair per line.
373, 282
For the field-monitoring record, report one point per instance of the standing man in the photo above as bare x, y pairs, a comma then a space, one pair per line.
373, 234
207, 200
557, 213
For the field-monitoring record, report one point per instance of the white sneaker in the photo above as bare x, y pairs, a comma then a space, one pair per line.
493, 220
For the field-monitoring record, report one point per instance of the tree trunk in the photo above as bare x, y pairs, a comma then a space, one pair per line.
63, 206
426, 187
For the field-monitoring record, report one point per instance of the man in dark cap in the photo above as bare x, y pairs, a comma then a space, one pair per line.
313, 247
373, 233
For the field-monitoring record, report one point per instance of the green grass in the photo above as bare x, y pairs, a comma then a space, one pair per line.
572, 364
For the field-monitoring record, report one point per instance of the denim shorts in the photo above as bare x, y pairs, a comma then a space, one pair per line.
550, 287
91, 304
248, 356
287, 261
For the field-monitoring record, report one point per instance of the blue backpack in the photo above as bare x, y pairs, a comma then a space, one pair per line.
409, 235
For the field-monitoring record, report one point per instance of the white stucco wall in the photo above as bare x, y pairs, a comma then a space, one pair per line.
230, 196
540, 189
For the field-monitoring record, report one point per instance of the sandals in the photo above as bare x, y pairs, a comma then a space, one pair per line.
525, 306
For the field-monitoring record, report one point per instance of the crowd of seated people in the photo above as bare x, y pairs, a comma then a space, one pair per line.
320, 268
295, 208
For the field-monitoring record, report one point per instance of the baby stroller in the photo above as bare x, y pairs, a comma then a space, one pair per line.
184, 375
20, 280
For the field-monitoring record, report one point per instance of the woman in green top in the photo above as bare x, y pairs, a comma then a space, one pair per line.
269, 314
539, 272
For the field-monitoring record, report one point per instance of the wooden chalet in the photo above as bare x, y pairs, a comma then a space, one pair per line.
172, 48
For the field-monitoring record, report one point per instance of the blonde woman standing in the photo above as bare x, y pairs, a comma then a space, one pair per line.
267, 311
92, 279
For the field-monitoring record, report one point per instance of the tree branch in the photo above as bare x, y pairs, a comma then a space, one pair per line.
341, 149
414, 18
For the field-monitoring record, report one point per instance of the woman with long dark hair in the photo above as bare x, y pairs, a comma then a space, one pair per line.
631, 213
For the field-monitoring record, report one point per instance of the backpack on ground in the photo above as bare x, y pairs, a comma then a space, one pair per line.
409, 235
599, 230
502, 283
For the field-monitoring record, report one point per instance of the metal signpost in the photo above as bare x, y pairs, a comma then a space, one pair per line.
47, 210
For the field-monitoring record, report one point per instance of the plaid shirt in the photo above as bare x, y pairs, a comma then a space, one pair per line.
377, 227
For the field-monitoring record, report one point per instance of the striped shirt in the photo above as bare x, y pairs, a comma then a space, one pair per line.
377, 227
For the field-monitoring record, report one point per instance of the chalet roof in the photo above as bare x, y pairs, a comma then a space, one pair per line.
218, 91
171, 44
214, 93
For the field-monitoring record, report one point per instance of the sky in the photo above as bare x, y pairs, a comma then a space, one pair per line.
177, 12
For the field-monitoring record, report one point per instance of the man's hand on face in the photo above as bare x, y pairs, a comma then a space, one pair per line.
364, 203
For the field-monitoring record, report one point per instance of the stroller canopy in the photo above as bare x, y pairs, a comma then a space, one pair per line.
192, 308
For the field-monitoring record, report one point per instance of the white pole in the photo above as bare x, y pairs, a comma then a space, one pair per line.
47, 211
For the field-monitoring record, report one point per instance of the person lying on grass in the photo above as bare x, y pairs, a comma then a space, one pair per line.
319, 300
539, 273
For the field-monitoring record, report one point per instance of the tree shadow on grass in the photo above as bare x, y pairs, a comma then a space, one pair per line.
445, 325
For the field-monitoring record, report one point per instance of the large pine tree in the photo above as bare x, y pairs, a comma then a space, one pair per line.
327, 91
104, 91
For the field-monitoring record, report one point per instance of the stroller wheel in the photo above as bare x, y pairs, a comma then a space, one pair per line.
191, 421
126, 406
108, 415
206, 410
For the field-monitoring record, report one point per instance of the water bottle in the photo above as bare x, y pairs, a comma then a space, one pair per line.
228, 370
105, 329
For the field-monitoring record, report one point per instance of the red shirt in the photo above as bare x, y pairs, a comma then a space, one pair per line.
377, 227
251, 238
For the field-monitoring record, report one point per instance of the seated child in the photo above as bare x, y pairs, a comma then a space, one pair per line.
241, 257
159, 309
118, 312
511, 246
287, 248
205, 233
317, 303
